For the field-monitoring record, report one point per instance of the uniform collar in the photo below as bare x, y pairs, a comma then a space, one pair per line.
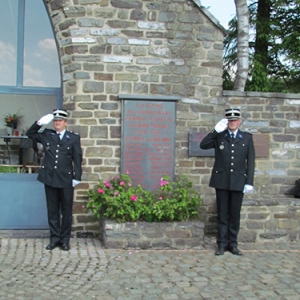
62, 133
234, 133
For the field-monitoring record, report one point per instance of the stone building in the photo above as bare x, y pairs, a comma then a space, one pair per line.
113, 47
170, 48
164, 47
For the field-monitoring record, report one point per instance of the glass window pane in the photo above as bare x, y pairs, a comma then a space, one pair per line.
8, 42
41, 62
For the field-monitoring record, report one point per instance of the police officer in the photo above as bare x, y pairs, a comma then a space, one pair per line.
232, 176
60, 172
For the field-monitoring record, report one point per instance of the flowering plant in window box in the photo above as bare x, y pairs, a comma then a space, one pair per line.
118, 200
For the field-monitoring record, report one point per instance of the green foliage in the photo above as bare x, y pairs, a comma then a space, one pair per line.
120, 201
273, 49
11, 119
8, 169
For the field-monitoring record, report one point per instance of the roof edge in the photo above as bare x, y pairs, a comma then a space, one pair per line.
210, 16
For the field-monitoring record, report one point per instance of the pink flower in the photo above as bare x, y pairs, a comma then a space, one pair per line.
101, 191
127, 172
106, 183
163, 182
129, 184
122, 183
133, 198
116, 193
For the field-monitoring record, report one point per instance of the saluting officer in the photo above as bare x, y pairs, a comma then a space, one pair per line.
60, 172
232, 176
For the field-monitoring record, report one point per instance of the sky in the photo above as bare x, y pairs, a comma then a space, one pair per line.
223, 10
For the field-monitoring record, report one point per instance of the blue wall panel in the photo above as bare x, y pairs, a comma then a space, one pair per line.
22, 202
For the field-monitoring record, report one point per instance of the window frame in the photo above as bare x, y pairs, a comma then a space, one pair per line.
19, 89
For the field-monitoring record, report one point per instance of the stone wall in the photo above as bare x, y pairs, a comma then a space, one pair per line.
163, 47
117, 47
146, 235
271, 219
277, 117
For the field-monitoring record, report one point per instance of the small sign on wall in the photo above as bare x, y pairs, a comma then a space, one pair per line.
261, 145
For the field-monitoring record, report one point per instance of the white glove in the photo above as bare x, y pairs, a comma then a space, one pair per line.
221, 126
247, 188
75, 182
45, 119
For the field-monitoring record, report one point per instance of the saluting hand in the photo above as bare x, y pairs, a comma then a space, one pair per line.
45, 120
222, 125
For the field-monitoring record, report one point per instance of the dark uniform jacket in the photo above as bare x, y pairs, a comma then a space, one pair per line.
63, 158
234, 161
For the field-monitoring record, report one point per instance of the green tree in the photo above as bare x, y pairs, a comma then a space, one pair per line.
273, 50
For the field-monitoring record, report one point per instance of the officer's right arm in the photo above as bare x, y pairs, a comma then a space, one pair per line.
33, 133
209, 141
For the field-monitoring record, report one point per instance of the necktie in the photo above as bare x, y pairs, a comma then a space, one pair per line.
232, 136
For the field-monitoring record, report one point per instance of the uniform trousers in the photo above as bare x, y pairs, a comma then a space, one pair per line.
59, 209
229, 205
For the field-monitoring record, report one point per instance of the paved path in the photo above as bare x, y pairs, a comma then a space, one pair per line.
27, 271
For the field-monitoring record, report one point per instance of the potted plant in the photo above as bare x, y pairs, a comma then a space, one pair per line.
11, 122
119, 201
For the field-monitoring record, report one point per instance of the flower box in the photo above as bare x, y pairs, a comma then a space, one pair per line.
151, 235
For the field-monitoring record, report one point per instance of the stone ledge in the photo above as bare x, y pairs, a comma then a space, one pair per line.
147, 235
270, 201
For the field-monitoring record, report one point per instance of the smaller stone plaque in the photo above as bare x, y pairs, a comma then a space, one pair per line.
261, 145
195, 139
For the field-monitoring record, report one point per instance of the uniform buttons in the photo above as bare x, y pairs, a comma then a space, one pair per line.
232, 151
57, 150
55, 167
232, 157
231, 170
232, 164
56, 161
232, 145
57, 145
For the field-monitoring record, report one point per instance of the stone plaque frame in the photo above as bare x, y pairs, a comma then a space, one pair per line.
148, 138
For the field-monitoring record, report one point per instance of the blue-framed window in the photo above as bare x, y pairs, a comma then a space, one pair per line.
29, 58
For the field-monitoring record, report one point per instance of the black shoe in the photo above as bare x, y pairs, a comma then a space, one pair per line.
235, 251
51, 246
65, 247
220, 251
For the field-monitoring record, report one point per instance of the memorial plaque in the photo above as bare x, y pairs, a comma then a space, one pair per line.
148, 140
194, 145
261, 145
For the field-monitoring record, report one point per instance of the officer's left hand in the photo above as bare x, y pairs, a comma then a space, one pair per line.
248, 188
75, 182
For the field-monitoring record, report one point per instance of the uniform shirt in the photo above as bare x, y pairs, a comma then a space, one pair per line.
63, 157
234, 160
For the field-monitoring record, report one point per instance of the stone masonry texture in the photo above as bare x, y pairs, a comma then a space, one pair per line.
166, 47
